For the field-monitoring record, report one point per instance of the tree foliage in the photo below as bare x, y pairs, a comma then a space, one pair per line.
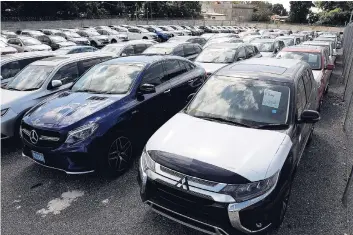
80, 9
262, 11
334, 13
299, 11
278, 9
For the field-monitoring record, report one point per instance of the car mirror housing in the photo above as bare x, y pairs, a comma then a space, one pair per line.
147, 88
56, 83
309, 116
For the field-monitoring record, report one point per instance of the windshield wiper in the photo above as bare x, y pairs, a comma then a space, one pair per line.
87, 90
272, 126
11, 88
223, 120
30, 89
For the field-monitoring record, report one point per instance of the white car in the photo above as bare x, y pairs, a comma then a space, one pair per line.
113, 35
26, 44
94, 37
135, 33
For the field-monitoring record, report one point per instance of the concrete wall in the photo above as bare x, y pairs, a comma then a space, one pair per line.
15, 25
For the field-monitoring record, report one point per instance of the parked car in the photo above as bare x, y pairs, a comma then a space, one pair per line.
327, 37
245, 131
171, 30
250, 38
328, 45
31, 33
38, 81
318, 59
289, 40
51, 31
12, 64
73, 37
26, 44
222, 40
208, 36
94, 37
194, 31
96, 125
184, 49
135, 33
114, 36
301, 36
55, 42
8, 34
134, 47
192, 39
268, 47
75, 49
161, 34
186, 32
6, 48
216, 56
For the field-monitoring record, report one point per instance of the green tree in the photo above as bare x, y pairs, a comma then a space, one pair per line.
278, 9
299, 11
262, 11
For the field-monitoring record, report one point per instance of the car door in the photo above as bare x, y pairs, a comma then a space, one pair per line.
182, 81
149, 111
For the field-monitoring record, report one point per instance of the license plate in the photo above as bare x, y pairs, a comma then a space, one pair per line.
38, 156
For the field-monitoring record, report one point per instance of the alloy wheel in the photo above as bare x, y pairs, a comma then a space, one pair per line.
120, 153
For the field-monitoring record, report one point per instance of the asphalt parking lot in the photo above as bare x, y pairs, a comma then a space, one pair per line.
36, 200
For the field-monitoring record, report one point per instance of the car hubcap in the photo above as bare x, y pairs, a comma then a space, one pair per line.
120, 153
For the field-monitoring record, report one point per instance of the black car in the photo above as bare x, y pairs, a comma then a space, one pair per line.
98, 124
183, 49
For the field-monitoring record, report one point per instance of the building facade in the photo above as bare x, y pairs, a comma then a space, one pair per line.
232, 11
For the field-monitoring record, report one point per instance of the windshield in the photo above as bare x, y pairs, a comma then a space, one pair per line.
158, 50
216, 55
264, 46
63, 51
113, 48
72, 35
313, 59
30, 41
108, 78
92, 33
57, 39
288, 41
31, 77
251, 102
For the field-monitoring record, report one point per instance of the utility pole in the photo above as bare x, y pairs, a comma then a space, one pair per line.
147, 12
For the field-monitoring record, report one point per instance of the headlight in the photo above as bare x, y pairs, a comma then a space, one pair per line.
244, 192
4, 111
81, 133
147, 162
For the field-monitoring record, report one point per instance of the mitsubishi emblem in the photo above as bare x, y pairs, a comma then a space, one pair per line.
183, 183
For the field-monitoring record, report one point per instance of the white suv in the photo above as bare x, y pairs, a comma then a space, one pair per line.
140, 33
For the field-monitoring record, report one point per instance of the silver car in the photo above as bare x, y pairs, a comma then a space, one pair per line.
39, 80
25, 44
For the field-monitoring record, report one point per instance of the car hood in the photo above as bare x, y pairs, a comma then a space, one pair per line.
7, 50
67, 108
245, 151
318, 75
267, 54
11, 98
66, 44
99, 37
211, 67
41, 47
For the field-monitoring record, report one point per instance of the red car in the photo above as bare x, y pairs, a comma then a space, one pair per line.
318, 59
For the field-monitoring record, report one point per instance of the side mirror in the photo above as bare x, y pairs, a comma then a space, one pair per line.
309, 116
56, 83
330, 66
147, 88
190, 97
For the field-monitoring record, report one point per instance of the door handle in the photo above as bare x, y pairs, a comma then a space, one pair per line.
166, 91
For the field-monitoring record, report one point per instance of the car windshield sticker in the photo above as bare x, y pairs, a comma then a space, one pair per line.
312, 58
271, 98
274, 111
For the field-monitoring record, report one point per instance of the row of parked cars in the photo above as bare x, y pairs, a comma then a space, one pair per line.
221, 119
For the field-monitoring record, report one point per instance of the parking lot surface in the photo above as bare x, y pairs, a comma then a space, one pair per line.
36, 200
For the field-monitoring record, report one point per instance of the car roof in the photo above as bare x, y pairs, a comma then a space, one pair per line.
264, 68
146, 59
317, 43
303, 48
227, 45
62, 59
24, 55
76, 47
264, 40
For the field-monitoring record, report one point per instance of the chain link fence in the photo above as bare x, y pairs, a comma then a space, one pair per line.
348, 78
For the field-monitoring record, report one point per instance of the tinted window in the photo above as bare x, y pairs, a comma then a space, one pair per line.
153, 75
172, 68
133, 30
179, 51
301, 96
68, 73
140, 48
10, 69
86, 64
197, 49
14, 42
189, 49
188, 65
241, 53
129, 50
256, 50
25, 62
249, 51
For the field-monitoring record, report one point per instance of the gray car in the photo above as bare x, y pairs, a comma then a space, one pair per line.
38, 81
26, 44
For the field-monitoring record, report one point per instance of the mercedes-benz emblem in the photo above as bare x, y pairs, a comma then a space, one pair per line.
183, 183
33, 137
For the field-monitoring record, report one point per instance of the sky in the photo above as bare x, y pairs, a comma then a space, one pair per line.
287, 6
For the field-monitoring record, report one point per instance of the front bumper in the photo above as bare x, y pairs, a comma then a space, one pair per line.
204, 212
8, 124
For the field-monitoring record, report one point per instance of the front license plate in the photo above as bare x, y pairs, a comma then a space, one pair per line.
38, 156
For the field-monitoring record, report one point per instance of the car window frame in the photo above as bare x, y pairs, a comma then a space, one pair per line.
143, 81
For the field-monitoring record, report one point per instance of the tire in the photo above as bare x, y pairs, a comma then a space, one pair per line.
114, 41
118, 155
145, 37
93, 43
282, 206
